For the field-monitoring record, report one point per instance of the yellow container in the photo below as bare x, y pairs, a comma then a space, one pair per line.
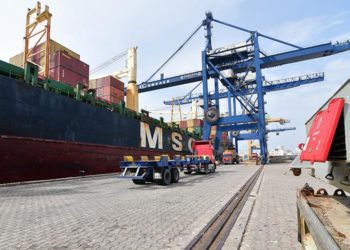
190, 123
17, 60
92, 84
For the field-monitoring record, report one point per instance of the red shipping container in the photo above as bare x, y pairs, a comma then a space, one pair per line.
183, 124
109, 90
61, 58
68, 77
197, 123
109, 81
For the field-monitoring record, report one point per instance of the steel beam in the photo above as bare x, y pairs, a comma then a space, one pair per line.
269, 86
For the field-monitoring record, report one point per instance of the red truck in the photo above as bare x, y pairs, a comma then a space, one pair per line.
202, 160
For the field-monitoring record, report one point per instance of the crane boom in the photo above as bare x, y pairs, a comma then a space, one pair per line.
269, 86
274, 60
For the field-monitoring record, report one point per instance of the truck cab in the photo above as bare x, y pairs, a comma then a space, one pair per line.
230, 157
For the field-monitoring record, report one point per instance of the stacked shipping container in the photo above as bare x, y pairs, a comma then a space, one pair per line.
64, 66
193, 125
108, 88
69, 70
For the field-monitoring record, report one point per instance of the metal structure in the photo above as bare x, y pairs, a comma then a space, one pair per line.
164, 171
34, 30
268, 86
230, 65
323, 218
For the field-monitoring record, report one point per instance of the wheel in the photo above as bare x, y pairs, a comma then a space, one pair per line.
187, 171
206, 169
199, 169
138, 182
213, 168
166, 177
175, 175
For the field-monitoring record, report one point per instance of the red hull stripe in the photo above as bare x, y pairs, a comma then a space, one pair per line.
28, 159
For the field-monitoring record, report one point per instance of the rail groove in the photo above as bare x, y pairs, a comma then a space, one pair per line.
214, 235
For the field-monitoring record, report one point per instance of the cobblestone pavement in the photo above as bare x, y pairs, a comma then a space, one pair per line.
273, 221
109, 213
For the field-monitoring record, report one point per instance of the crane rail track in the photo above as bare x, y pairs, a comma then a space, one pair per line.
215, 233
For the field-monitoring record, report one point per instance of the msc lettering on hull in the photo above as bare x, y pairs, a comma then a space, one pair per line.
157, 138
155, 141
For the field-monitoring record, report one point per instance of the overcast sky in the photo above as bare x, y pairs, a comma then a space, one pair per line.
98, 30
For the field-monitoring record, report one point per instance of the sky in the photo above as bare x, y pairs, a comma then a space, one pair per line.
100, 30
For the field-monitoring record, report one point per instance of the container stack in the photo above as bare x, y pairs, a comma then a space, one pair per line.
64, 66
67, 69
108, 88
193, 125
224, 135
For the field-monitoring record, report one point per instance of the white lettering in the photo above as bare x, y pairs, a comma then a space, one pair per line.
190, 141
146, 136
177, 141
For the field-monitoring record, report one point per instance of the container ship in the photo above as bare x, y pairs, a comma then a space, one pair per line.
55, 122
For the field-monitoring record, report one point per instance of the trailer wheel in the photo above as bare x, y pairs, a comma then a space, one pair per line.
166, 177
138, 182
175, 175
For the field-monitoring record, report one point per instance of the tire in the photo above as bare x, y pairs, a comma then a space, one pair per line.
213, 168
175, 175
138, 182
206, 169
198, 168
166, 177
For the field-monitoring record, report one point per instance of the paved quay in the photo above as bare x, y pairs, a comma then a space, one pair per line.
110, 213
272, 223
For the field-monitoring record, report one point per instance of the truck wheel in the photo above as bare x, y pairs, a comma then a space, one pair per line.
166, 177
206, 169
213, 168
138, 182
175, 175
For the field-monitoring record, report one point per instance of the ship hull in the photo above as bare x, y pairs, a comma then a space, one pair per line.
27, 159
46, 135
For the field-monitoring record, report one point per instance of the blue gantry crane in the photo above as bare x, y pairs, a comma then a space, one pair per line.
268, 86
230, 65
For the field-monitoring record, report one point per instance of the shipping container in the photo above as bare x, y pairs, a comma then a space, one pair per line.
68, 77
198, 123
198, 130
61, 58
109, 90
109, 81
92, 84
183, 124
39, 58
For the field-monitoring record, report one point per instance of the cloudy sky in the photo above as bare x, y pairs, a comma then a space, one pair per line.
98, 30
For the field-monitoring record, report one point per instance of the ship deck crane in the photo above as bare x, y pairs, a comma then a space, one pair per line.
240, 60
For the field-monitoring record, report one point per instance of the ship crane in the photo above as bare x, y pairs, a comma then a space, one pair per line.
241, 59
